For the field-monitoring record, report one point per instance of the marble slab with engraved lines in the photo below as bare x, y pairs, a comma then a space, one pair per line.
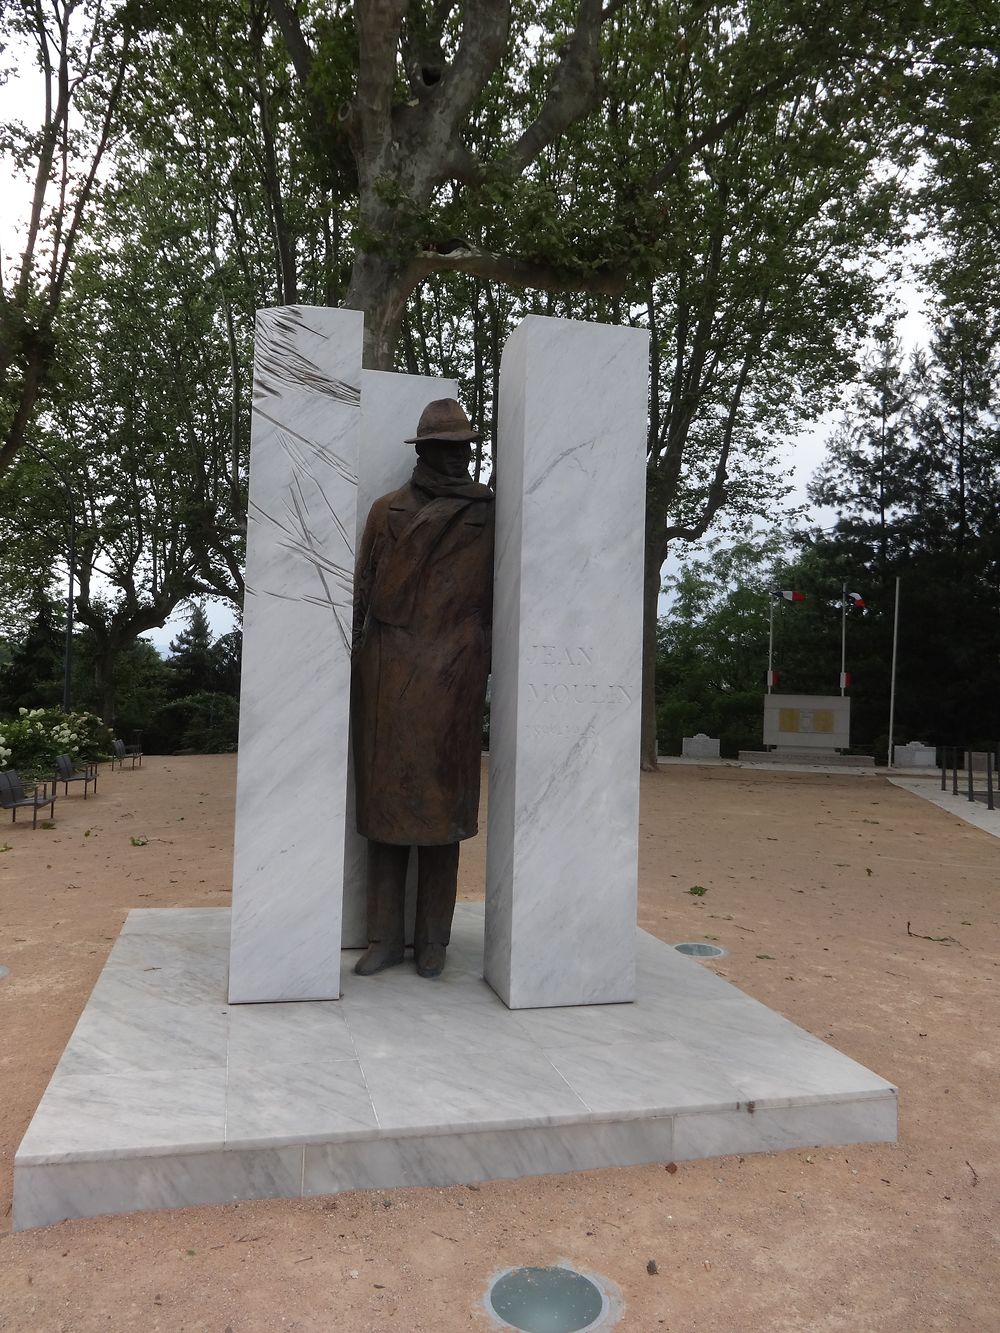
291, 789
562, 849
166, 1096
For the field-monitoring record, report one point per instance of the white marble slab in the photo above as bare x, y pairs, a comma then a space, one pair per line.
291, 798
411, 1082
567, 639
390, 409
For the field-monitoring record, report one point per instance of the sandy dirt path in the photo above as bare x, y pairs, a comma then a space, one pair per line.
810, 881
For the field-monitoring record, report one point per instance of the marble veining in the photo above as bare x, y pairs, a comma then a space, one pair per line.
291, 799
567, 631
171, 1097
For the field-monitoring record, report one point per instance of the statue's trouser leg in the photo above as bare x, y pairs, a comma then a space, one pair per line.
437, 888
386, 889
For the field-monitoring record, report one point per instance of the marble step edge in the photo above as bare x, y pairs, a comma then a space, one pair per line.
375, 1134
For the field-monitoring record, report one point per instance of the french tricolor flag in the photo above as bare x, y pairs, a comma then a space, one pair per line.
857, 600
789, 595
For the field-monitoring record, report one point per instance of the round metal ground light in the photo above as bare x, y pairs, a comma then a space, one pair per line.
696, 950
547, 1300
4, 971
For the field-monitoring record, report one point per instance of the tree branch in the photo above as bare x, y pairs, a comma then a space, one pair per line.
519, 272
573, 90
291, 30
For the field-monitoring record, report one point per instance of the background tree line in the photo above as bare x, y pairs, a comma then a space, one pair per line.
735, 176
913, 473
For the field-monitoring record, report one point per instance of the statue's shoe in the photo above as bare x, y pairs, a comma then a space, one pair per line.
377, 957
430, 960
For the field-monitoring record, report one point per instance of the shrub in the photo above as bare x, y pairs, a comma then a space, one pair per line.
31, 741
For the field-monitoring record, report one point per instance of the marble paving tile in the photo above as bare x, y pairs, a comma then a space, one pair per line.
47, 1194
177, 922
462, 1014
655, 1077
127, 1030
446, 1090
112, 1115
295, 1103
776, 1071
288, 1034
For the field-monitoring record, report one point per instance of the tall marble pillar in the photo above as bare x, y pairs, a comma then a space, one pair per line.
390, 409
562, 842
291, 791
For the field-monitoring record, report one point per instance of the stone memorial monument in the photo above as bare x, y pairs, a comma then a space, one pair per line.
422, 613
390, 404
291, 790
326, 440
147, 1109
915, 754
567, 632
700, 746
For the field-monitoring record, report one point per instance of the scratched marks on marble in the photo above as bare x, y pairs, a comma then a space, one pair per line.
280, 361
301, 519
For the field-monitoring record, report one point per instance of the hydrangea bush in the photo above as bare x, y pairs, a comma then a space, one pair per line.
31, 741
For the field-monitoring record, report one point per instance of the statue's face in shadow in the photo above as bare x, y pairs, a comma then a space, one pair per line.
449, 458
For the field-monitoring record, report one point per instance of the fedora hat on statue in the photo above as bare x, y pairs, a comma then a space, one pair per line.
444, 419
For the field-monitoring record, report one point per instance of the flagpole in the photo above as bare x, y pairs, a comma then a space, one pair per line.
770, 646
843, 638
892, 685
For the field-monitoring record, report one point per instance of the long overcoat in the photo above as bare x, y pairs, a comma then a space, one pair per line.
422, 621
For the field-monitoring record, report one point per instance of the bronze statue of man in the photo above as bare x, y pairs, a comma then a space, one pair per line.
423, 604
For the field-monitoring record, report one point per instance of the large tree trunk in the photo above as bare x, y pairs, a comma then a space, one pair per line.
381, 288
104, 679
654, 558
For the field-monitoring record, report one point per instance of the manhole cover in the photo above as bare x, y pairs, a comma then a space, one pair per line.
701, 950
546, 1300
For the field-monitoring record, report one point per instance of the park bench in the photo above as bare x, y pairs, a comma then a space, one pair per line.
120, 752
13, 796
67, 773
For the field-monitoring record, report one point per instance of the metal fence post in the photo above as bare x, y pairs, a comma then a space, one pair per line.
944, 767
989, 780
968, 760
954, 770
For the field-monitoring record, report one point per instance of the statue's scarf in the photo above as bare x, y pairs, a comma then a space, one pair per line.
400, 572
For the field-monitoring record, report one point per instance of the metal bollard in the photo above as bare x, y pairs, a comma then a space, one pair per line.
989, 780
954, 770
944, 767
968, 760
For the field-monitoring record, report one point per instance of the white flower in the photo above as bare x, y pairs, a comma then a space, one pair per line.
23, 712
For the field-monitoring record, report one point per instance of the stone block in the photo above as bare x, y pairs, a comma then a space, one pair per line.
915, 754
567, 632
700, 746
291, 797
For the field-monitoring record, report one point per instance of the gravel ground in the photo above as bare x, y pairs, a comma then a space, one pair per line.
858, 910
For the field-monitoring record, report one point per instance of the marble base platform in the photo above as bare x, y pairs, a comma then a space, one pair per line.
166, 1096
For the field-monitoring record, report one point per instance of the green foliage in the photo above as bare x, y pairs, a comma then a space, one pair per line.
712, 646
202, 723
191, 665
33, 672
31, 740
